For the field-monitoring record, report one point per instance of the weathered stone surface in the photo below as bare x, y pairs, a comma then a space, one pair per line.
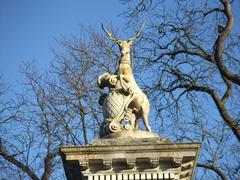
132, 141
130, 134
146, 157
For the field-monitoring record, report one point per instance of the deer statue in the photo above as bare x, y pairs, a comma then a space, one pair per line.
139, 106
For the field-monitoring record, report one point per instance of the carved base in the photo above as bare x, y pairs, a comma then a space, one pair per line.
123, 129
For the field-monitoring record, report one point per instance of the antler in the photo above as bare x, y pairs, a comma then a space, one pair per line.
138, 33
110, 35
118, 40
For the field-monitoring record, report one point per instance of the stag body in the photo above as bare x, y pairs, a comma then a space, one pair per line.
139, 107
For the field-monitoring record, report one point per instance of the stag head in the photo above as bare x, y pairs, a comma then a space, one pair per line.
124, 45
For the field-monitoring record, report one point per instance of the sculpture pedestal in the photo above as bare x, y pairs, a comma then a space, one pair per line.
131, 134
143, 158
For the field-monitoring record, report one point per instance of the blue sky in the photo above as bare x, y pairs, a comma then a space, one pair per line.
29, 28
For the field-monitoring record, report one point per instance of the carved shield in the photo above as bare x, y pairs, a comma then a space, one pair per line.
113, 105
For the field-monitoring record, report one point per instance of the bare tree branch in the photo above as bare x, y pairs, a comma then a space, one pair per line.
48, 165
213, 168
220, 42
13, 160
220, 106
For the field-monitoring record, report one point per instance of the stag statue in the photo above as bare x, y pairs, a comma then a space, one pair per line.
125, 101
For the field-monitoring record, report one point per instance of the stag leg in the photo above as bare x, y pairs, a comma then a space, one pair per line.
133, 121
122, 83
136, 125
145, 119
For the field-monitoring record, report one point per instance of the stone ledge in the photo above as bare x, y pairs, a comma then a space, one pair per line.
152, 140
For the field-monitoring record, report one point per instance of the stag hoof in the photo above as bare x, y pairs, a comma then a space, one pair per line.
149, 129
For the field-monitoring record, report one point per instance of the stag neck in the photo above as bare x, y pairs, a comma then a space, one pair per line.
125, 59
122, 61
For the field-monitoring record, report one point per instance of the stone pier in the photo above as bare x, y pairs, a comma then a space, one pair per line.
130, 159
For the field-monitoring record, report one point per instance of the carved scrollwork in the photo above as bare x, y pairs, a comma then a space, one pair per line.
83, 164
113, 80
131, 163
114, 127
107, 163
154, 162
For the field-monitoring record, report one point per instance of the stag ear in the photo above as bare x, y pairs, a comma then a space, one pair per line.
138, 33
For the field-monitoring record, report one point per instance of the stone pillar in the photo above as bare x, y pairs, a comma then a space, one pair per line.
130, 159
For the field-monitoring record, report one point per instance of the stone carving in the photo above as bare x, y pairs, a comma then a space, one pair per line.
125, 103
83, 163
